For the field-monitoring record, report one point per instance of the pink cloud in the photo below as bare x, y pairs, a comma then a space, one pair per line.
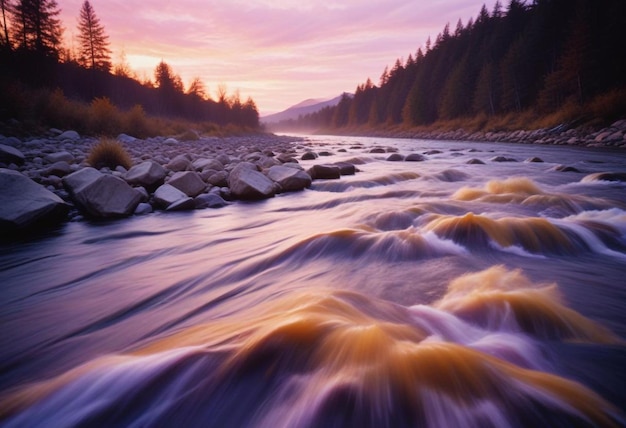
279, 52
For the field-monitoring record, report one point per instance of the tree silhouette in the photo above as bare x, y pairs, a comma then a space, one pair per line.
93, 50
6, 6
37, 27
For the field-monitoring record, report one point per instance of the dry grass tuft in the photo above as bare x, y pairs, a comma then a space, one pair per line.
109, 153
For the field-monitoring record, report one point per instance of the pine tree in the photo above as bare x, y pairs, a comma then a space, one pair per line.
37, 27
6, 6
93, 50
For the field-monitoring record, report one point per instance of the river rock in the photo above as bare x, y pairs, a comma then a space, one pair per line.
289, 179
323, 172
219, 178
346, 168
415, 157
168, 197
188, 182
502, 159
475, 161
101, 195
308, 156
534, 159
246, 182
10, 154
63, 156
126, 139
209, 200
204, 163
395, 157
143, 208
59, 169
179, 163
25, 204
148, 174
286, 158
69, 135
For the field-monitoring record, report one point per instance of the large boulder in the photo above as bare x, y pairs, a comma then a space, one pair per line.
148, 174
10, 154
101, 195
188, 182
289, 179
246, 182
25, 204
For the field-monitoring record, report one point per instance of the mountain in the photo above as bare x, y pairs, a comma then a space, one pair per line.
305, 107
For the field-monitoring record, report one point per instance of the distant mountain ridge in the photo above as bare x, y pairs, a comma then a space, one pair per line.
311, 105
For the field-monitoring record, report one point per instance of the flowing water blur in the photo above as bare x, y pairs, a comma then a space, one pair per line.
435, 293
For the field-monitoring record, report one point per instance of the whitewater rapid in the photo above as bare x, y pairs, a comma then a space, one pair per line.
433, 293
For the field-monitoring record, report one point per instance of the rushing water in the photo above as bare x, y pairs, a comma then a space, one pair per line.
435, 293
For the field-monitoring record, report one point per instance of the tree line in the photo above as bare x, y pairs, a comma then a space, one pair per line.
32, 55
543, 55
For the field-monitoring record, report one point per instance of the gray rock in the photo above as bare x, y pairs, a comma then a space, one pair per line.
9, 154
289, 179
286, 158
60, 169
502, 159
126, 139
147, 174
182, 205
59, 157
415, 157
534, 159
143, 208
101, 195
166, 195
395, 157
223, 159
203, 163
69, 135
309, 156
188, 182
179, 163
324, 172
246, 182
345, 168
11, 141
475, 161
220, 179
25, 204
377, 150
170, 141
209, 200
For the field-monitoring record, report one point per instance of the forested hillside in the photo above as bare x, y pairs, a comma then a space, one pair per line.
42, 81
548, 57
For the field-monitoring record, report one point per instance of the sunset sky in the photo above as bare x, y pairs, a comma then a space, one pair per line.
279, 52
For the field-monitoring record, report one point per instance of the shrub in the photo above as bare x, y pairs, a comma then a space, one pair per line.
109, 153
137, 122
104, 117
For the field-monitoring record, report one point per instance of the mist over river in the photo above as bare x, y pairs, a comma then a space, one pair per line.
436, 293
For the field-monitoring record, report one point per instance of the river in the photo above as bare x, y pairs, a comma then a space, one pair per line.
434, 293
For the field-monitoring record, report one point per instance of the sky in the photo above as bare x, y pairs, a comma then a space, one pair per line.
279, 52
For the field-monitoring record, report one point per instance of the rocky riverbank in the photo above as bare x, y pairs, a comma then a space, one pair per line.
613, 136
48, 180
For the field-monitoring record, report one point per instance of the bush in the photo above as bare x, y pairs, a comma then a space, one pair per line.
137, 122
104, 117
109, 153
